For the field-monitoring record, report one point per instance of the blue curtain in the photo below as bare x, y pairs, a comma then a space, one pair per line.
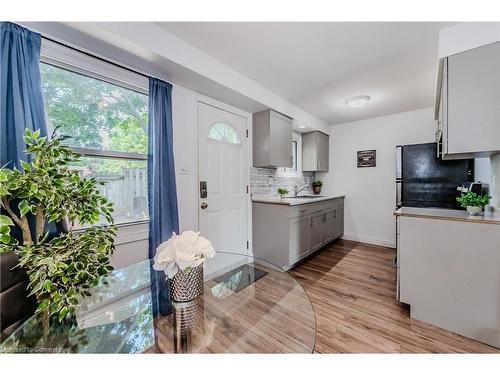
21, 102
163, 214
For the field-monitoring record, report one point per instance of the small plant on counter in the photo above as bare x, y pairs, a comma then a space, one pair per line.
317, 186
282, 192
473, 202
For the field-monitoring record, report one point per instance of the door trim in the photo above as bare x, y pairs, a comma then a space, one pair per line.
248, 116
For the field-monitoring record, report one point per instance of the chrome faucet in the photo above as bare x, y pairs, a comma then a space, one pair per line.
296, 190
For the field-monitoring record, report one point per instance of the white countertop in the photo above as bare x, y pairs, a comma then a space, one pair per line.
445, 214
290, 201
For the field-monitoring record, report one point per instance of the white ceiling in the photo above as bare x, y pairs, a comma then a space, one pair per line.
317, 66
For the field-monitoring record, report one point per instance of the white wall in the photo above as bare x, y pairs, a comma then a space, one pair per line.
370, 192
185, 123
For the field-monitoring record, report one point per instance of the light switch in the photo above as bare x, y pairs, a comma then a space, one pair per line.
184, 169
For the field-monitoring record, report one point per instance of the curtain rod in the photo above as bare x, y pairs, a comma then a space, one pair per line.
97, 57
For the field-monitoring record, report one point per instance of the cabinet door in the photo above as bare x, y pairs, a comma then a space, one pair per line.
474, 100
299, 238
338, 218
444, 108
323, 151
329, 227
316, 223
280, 145
309, 153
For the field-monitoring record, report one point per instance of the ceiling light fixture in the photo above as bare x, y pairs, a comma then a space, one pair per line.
357, 101
302, 126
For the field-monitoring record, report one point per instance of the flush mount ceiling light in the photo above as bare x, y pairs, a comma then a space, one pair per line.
357, 101
302, 126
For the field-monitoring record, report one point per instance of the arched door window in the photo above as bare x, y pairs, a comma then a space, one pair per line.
223, 132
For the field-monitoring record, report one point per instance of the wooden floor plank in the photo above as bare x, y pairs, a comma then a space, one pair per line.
352, 287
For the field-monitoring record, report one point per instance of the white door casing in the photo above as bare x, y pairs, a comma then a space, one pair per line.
222, 159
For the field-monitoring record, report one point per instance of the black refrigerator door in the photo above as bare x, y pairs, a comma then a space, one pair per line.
429, 181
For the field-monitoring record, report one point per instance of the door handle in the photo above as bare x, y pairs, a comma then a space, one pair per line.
203, 205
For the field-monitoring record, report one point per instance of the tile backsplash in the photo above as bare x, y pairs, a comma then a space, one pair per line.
267, 180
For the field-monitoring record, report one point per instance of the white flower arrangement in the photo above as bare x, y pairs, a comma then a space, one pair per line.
182, 252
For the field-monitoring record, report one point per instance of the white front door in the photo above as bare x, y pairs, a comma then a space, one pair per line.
223, 205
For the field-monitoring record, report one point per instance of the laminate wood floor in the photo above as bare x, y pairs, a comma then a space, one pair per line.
352, 287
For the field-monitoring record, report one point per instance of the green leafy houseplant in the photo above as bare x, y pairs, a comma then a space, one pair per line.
317, 186
64, 267
282, 192
472, 199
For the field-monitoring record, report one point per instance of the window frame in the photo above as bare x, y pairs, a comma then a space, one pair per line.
296, 137
77, 62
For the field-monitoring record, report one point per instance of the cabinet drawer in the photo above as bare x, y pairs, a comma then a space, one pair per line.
309, 208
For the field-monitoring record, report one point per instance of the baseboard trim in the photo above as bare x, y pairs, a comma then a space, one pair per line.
369, 240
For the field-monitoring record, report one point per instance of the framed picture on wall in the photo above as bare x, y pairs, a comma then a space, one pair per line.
367, 158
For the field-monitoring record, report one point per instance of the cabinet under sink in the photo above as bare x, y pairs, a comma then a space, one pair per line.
285, 234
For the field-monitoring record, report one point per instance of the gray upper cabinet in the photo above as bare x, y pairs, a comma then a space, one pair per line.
272, 139
315, 151
472, 118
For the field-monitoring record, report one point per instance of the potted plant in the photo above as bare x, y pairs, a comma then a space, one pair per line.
317, 186
282, 192
181, 258
62, 267
473, 202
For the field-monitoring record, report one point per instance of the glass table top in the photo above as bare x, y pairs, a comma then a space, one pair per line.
247, 306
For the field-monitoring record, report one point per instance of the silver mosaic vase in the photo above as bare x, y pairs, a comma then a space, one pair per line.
187, 285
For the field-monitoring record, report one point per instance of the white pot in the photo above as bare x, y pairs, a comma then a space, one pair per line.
474, 210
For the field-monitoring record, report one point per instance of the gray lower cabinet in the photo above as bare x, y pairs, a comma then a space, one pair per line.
449, 275
338, 219
317, 230
283, 235
330, 231
299, 238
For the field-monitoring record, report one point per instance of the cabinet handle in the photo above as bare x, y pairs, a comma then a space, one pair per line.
311, 221
334, 213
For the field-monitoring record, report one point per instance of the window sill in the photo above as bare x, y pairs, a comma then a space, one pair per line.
129, 232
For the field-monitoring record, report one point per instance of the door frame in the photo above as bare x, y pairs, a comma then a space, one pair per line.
249, 157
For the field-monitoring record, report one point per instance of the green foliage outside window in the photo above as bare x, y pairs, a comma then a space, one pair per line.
95, 114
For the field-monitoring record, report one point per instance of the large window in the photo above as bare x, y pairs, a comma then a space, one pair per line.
107, 124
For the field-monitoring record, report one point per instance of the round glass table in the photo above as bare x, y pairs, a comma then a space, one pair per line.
247, 306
